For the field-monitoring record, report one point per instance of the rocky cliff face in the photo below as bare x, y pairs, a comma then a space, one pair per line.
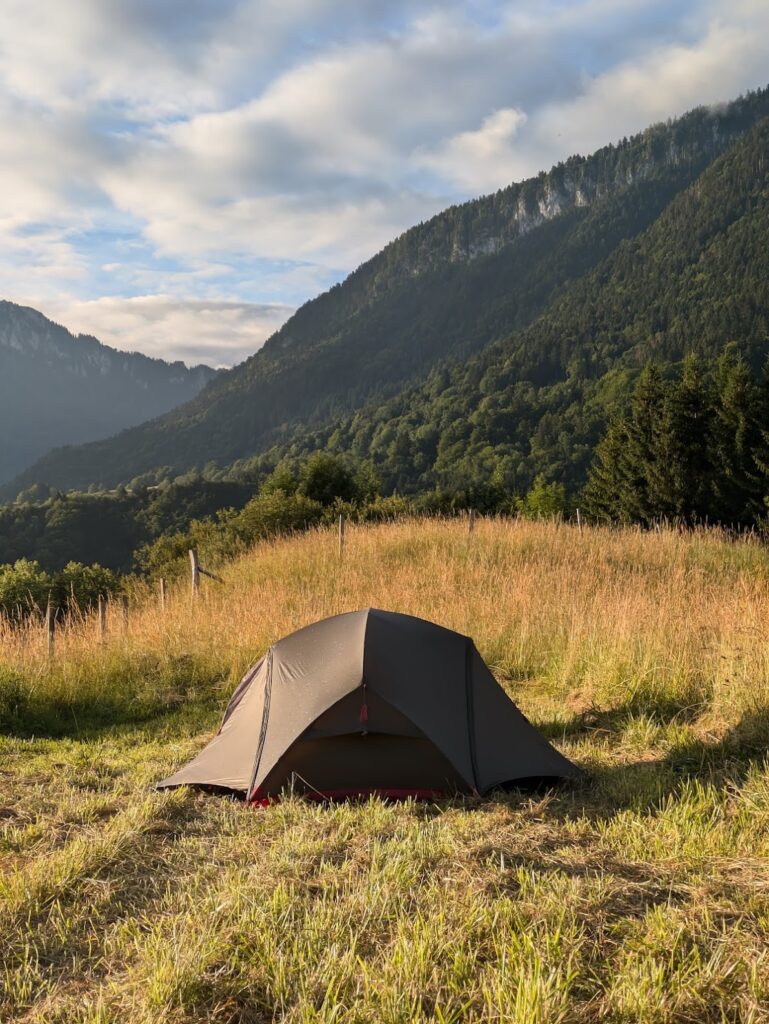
485, 226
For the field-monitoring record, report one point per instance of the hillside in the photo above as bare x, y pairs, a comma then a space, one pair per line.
636, 895
436, 296
57, 388
696, 280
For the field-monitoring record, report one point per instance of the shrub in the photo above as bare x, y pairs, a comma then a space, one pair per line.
543, 501
274, 513
24, 586
84, 584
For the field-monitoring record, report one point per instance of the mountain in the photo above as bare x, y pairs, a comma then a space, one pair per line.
695, 281
477, 301
57, 388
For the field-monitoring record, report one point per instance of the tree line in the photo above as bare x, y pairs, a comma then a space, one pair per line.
692, 447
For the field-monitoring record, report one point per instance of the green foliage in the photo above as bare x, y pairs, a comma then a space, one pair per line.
688, 448
282, 478
167, 556
324, 477
25, 587
82, 584
694, 280
544, 500
383, 509
276, 513
108, 527
458, 373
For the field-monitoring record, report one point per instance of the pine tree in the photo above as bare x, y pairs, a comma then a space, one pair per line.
741, 445
681, 472
639, 499
609, 481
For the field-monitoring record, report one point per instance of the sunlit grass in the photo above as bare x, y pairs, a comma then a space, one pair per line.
640, 894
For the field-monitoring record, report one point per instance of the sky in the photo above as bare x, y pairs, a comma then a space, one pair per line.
178, 175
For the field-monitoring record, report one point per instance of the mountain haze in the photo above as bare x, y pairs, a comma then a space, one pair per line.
563, 282
58, 388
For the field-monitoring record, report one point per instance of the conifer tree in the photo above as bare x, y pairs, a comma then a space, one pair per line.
609, 481
641, 459
681, 471
740, 442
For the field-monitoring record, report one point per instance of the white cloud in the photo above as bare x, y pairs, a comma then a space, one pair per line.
199, 151
195, 331
726, 59
480, 160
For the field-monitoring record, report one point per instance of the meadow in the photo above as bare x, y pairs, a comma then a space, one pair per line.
638, 894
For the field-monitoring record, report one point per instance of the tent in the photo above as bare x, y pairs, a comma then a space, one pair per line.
372, 702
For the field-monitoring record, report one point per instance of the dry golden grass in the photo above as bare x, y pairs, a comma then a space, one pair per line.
640, 894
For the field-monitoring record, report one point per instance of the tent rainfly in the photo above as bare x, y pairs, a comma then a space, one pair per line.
372, 702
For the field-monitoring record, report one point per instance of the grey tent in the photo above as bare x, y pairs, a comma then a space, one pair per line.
372, 701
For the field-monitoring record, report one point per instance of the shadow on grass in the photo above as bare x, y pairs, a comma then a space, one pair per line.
643, 784
133, 692
89, 721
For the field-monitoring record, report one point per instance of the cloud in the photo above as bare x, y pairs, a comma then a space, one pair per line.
480, 160
196, 331
165, 165
727, 57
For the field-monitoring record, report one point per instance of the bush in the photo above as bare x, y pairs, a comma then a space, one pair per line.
214, 540
24, 586
275, 513
84, 584
543, 501
324, 478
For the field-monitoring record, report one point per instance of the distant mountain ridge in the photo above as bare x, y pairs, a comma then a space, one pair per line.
477, 275
56, 387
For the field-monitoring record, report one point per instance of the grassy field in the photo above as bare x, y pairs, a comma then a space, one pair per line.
639, 894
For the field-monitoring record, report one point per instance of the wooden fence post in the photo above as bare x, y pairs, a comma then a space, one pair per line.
471, 521
50, 625
163, 595
341, 535
102, 617
579, 522
195, 569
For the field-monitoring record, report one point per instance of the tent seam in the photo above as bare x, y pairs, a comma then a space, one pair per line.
363, 649
263, 729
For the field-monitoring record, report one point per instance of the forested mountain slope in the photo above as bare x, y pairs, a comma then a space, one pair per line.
439, 294
695, 281
58, 388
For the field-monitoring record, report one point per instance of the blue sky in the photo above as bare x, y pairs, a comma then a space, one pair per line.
178, 175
